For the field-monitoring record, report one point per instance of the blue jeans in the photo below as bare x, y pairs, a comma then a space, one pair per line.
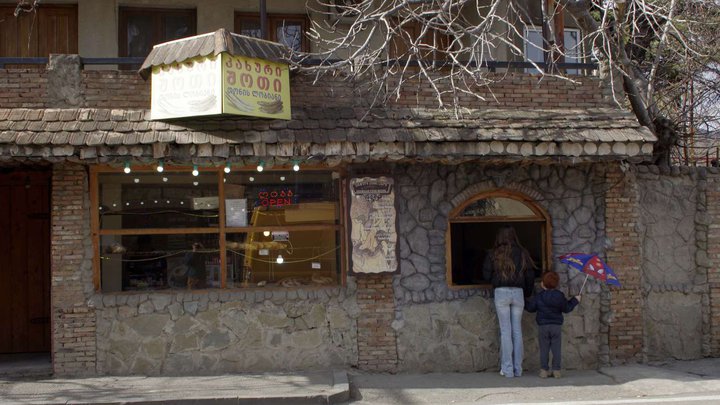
509, 304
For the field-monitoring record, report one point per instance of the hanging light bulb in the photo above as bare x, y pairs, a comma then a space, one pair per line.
261, 166
251, 178
296, 166
279, 259
227, 167
282, 178
165, 179
127, 168
195, 183
195, 171
136, 180
160, 167
266, 233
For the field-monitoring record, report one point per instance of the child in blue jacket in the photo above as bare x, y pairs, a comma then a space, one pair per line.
550, 304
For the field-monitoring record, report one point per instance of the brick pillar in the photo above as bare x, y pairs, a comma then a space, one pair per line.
626, 328
73, 321
713, 252
377, 341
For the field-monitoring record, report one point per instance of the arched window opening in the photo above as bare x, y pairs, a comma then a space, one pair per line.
474, 224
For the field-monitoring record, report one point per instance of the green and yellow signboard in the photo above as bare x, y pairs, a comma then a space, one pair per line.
221, 84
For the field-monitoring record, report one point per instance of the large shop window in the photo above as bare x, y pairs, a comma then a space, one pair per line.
474, 224
173, 230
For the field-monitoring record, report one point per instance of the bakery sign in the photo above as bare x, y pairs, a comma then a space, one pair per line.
221, 84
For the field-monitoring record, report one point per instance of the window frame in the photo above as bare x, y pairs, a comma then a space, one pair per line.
454, 217
579, 49
37, 41
274, 22
221, 230
156, 13
413, 29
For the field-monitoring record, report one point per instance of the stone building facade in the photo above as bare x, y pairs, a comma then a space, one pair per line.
657, 229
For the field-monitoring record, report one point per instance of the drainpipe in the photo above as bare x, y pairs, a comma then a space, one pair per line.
263, 20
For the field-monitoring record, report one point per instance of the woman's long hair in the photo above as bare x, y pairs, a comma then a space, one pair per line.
502, 254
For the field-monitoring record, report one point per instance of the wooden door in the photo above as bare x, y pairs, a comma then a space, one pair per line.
50, 29
24, 262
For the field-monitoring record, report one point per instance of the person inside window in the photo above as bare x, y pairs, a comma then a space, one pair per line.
510, 269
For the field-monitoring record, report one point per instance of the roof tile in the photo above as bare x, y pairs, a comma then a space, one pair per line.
50, 115
42, 138
54, 126
68, 115
60, 138
326, 128
17, 114
114, 138
88, 126
24, 138
77, 138
86, 114
8, 136
71, 126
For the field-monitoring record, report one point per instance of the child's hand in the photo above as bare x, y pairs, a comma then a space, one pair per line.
578, 297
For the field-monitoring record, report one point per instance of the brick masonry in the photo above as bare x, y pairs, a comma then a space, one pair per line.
126, 89
23, 88
625, 335
713, 253
73, 321
377, 340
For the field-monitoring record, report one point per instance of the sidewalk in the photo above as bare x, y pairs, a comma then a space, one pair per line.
677, 382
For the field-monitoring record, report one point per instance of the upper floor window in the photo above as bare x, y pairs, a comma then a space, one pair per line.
288, 30
431, 44
141, 28
474, 224
534, 47
48, 29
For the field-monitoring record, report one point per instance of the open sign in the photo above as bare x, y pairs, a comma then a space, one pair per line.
275, 198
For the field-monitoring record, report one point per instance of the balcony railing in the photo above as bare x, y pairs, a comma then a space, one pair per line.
491, 66
85, 61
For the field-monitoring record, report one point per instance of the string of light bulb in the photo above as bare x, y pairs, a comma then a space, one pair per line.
261, 165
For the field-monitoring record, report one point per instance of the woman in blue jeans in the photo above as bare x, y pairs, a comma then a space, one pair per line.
511, 270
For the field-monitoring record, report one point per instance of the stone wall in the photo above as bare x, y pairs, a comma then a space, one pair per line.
440, 328
659, 230
676, 217
185, 333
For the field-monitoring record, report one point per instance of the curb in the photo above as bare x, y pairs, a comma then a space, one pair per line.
338, 392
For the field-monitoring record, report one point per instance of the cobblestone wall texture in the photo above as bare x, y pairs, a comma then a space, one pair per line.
223, 332
444, 329
677, 220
